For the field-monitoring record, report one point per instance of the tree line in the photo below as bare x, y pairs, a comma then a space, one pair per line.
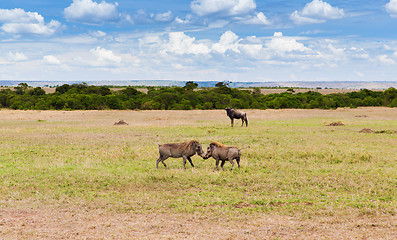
87, 97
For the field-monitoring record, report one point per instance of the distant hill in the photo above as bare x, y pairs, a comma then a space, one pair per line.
339, 85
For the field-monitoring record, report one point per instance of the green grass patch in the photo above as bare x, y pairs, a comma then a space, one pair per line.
299, 168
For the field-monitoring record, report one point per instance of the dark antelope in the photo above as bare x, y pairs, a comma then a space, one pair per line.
235, 114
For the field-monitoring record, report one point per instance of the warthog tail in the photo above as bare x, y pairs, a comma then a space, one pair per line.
244, 148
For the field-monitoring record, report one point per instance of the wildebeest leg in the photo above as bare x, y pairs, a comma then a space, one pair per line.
190, 160
242, 121
161, 159
231, 120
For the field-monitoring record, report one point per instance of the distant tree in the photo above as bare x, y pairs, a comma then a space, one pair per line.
222, 84
290, 90
62, 89
21, 89
130, 92
256, 91
190, 85
37, 91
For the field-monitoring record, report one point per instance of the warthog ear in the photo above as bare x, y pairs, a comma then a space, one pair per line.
212, 146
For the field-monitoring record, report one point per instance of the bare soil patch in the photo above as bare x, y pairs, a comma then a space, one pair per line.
68, 222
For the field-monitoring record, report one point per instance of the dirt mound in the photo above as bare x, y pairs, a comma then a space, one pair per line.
366, 130
336, 124
121, 122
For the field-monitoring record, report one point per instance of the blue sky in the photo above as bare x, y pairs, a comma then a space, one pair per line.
234, 40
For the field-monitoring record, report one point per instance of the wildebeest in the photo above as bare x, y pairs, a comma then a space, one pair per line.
222, 153
176, 150
235, 114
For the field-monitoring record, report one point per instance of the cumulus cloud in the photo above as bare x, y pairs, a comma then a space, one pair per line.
391, 8
105, 57
90, 12
228, 41
180, 43
18, 21
222, 7
316, 11
52, 60
282, 44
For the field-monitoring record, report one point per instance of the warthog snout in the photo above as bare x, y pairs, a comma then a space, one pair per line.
199, 150
208, 154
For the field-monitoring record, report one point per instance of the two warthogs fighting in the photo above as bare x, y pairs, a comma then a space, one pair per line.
185, 150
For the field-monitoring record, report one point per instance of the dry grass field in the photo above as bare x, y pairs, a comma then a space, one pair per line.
76, 175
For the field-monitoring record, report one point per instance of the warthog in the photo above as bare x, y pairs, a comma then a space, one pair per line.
235, 114
176, 150
222, 153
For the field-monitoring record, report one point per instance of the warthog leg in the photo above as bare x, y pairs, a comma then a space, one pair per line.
216, 163
238, 162
190, 160
161, 159
184, 162
231, 161
223, 163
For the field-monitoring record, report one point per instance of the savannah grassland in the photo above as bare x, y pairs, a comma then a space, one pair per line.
74, 175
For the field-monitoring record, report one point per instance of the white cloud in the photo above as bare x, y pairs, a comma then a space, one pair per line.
282, 44
316, 11
97, 34
52, 60
218, 24
89, 12
252, 50
105, 57
384, 59
222, 7
180, 43
16, 57
259, 19
187, 20
391, 8
163, 17
228, 41
18, 21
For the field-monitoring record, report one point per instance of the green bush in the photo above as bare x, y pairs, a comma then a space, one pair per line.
85, 97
